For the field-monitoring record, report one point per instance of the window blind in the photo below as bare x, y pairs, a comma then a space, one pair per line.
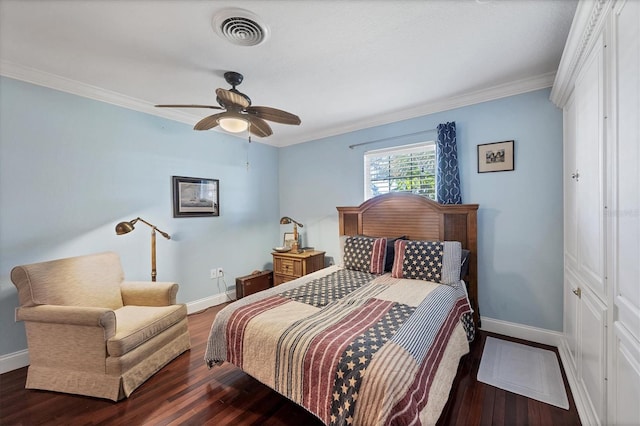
409, 168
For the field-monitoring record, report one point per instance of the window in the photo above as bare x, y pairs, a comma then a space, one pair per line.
409, 168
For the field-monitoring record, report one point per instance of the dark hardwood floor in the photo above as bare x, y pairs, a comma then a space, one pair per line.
185, 392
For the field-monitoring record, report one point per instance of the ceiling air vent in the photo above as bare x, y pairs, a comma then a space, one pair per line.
240, 27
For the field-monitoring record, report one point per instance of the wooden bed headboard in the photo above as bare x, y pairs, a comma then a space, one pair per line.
418, 218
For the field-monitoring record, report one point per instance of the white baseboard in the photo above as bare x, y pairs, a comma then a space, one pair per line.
14, 361
520, 331
20, 359
207, 302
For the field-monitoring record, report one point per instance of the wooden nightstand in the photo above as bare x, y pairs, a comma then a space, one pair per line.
289, 266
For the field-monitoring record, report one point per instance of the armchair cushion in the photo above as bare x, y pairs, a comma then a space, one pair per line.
138, 324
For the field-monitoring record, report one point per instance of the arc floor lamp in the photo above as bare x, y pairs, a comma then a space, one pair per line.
126, 227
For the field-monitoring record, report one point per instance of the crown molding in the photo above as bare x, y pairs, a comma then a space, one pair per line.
41, 78
518, 87
587, 24
63, 84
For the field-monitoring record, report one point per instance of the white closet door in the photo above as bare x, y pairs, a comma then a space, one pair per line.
624, 256
589, 99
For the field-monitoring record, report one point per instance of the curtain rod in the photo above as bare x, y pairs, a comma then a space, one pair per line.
393, 137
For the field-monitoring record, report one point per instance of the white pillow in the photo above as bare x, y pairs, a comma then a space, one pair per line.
340, 260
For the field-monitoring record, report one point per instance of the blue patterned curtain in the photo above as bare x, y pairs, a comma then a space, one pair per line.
447, 175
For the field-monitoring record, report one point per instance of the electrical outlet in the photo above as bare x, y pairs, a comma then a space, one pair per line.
214, 273
220, 272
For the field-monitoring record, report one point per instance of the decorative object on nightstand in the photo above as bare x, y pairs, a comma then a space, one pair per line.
285, 220
126, 227
291, 265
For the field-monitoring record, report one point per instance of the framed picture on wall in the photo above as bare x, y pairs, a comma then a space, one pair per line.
195, 197
495, 157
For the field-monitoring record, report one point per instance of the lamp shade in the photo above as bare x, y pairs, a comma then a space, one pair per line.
285, 220
233, 124
124, 228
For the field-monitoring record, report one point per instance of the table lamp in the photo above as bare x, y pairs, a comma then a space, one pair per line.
285, 220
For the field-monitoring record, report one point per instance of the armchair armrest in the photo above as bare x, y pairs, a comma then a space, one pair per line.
147, 293
71, 315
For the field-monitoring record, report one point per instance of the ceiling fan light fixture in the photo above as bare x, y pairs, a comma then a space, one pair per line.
233, 124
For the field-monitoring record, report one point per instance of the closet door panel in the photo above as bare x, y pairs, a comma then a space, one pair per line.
571, 320
627, 212
589, 98
570, 206
624, 255
592, 364
625, 409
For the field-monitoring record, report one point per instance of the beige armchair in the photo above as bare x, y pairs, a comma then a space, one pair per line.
90, 332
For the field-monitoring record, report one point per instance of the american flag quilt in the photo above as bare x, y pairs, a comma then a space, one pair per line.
351, 347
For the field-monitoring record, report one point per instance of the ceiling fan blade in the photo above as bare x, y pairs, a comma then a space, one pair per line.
229, 98
258, 126
208, 122
273, 114
187, 106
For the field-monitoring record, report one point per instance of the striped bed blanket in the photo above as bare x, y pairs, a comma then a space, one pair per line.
351, 347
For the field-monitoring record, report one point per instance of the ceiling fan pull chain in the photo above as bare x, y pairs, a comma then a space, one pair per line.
248, 146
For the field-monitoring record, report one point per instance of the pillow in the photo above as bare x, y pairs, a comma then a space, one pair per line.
366, 254
436, 261
341, 241
464, 264
388, 264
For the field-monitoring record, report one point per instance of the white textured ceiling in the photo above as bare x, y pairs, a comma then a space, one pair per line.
339, 65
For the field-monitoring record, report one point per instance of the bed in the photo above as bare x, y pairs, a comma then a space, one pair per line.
377, 338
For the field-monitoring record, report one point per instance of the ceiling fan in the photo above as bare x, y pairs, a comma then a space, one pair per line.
238, 114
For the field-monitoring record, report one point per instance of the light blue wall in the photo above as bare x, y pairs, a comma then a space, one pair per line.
520, 215
71, 168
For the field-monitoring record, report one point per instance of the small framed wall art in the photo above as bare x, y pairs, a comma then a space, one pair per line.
495, 157
195, 197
